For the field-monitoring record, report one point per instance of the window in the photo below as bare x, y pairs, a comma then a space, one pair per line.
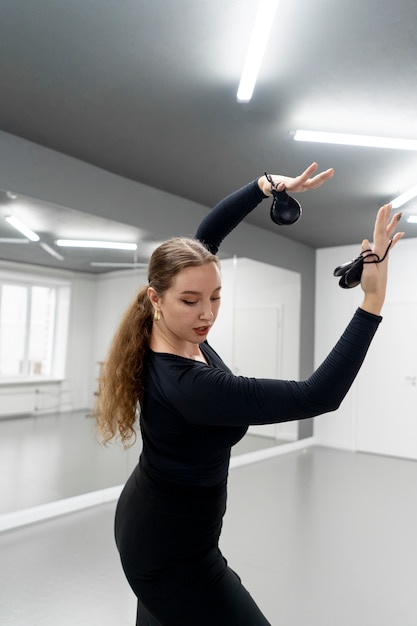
29, 328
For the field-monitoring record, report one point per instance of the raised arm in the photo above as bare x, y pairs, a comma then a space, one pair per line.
227, 214
230, 211
251, 401
210, 396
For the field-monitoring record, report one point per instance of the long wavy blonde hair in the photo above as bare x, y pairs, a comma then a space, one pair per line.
121, 385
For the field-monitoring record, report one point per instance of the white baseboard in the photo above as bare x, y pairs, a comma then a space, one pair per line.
338, 445
59, 507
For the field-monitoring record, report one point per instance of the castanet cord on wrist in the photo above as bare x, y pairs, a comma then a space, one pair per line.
351, 272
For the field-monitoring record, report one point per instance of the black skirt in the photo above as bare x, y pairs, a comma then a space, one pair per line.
167, 536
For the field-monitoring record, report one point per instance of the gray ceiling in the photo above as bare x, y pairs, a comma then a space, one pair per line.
147, 90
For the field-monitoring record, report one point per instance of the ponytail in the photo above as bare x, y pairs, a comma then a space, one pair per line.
121, 390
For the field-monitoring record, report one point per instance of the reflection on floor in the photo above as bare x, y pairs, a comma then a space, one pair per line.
250, 443
50, 457
320, 537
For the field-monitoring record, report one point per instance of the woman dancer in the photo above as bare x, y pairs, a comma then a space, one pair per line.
192, 409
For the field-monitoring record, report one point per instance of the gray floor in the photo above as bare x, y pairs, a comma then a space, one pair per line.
50, 457
320, 538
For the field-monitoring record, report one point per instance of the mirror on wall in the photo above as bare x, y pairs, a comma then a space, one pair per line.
48, 449
49, 224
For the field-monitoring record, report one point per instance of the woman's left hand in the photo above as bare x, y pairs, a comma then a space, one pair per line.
303, 182
374, 275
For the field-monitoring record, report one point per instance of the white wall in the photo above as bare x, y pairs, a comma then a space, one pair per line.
250, 284
334, 308
78, 384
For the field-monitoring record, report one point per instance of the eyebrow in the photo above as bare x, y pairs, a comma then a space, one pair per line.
197, 293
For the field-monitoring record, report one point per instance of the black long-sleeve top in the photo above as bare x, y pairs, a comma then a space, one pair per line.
193, 413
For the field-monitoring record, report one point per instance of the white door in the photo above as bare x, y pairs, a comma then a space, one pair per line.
387, 386
256, 349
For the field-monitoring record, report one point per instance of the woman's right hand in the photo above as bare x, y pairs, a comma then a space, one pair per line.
374, 275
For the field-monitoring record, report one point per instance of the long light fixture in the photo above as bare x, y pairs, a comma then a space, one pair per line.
256, 50
22, 228
51, 251
404, 197
111, 245
355, 140
13, 240
120, 265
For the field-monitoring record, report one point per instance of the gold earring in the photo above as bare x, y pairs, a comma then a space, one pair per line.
156, 316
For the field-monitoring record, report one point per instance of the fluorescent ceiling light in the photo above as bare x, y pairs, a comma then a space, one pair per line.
412, 219
13, 240
105, 264
112, 245
257, 46
355, 140
22, 228
51, 251
404, 197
